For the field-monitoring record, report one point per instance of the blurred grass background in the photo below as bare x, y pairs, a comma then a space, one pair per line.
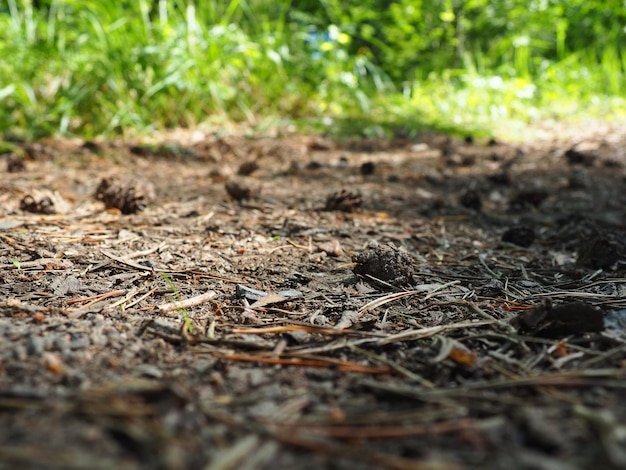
371, 67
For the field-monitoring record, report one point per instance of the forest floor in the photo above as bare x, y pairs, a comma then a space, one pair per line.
211, 301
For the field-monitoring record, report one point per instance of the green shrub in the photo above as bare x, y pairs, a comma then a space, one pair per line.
92, 67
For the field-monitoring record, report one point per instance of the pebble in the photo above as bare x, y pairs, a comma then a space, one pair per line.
80, 342
35, 345
98, 339
112, 333
53, 363
203, 366
98, 321
60, 343
20, 353
258, 377
149, 370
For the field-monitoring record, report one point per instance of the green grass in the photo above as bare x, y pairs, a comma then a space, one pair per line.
89, 68
187, 323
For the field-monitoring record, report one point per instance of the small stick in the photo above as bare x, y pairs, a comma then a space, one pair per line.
180, 304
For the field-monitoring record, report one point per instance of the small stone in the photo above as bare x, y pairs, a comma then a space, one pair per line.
35, 345
53, 363
148, 370
80, 342
98, 339
98, 321
60, 343
203, 367
20, 353
112, 334
331, 248
249, 293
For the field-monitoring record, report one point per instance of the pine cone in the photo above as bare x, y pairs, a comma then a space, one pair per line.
344, 201
129, 196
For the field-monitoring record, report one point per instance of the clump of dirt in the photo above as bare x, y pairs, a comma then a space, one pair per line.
602, 250
384, 263
520, 236
548, 321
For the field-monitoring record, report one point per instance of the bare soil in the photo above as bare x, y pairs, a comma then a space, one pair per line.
220, 302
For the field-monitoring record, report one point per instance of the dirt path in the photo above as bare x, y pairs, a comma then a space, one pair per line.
428, 303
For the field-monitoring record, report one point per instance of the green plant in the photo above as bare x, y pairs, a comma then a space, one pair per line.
18, 265
105, 67
184, 314
88, 67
